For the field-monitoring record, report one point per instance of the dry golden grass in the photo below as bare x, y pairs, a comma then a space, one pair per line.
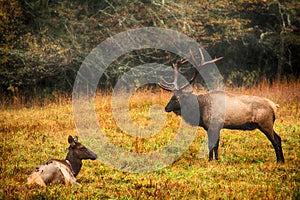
246, 170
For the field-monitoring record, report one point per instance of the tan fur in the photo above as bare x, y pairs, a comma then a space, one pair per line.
35, 178
67, 173
52, 172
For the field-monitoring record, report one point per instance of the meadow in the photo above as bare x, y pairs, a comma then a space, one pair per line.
247, 168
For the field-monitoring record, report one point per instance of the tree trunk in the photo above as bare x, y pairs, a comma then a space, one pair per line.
281, 57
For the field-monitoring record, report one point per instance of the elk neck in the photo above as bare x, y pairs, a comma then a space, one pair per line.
189, 103
75, 162
204, 109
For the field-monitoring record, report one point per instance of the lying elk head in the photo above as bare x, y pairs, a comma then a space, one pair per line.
78, 152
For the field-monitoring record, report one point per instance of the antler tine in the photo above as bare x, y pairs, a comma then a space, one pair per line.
203, 62
170, 61
192, 58
165, 87
194, 77
165, 82
180, 63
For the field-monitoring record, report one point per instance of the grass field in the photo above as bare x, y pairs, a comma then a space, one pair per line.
247, 167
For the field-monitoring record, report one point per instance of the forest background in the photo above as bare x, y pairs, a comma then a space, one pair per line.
43, 42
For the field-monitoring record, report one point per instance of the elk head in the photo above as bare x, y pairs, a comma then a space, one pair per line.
79, 151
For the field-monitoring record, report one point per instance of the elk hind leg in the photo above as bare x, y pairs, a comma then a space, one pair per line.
278, 148
276, 142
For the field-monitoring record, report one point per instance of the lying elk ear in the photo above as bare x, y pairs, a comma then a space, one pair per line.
71, 141
76, 138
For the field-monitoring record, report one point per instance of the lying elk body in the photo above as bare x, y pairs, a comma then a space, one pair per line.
62, 171
240, 112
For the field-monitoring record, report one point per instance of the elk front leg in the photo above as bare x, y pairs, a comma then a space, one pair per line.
216, 149
213, 143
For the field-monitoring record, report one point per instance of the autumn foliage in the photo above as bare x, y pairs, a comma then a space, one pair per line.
44, 42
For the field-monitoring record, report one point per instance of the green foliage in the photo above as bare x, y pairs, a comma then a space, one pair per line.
243, 78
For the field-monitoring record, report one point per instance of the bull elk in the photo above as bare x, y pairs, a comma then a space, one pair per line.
218, 109
62, 171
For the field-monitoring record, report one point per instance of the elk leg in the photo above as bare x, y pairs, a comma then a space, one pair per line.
210, 155
276, 142
216, 150
213, 143
278, 148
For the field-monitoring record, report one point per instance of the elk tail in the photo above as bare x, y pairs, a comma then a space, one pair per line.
273, 105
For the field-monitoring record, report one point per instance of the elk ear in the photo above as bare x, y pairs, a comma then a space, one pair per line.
188, 90
71, 141
76, 139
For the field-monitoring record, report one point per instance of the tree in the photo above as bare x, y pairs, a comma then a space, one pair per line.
45, 41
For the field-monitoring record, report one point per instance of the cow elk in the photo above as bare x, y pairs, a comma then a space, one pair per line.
62, 171
218, 109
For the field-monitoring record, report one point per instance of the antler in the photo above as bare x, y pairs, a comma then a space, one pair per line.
203, 62
200, 65
174, 86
